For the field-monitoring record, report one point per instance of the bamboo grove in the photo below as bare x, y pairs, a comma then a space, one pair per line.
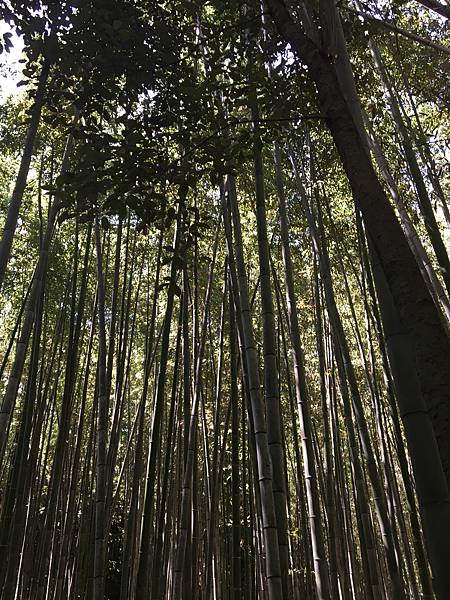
225, 301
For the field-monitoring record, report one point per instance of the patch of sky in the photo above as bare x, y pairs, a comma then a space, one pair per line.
10, 67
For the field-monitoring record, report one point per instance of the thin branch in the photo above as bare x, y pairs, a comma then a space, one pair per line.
408, 34
244, 121
437, 7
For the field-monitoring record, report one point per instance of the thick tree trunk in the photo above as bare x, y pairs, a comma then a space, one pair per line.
430, 343
431, 485
417, 248
423, 198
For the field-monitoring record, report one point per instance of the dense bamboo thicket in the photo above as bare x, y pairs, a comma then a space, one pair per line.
224, 300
